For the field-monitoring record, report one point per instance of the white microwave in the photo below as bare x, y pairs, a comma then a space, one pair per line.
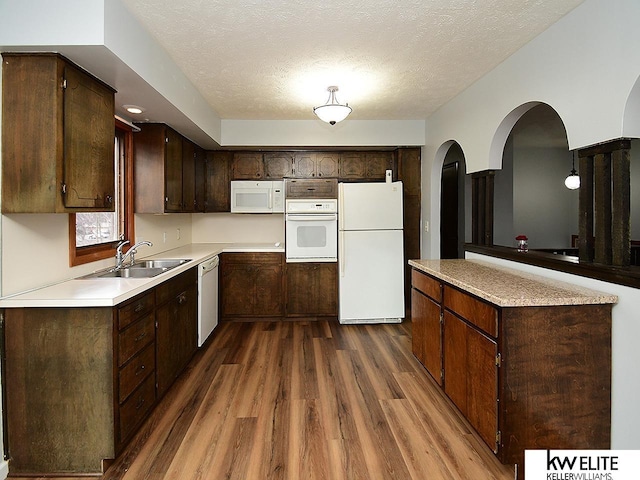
257, 196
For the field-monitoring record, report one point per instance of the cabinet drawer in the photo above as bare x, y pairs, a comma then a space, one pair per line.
169, 289
249, 258
136, 371
427, 285
311, 188
135, 309
480, 314
134, 338
135, 409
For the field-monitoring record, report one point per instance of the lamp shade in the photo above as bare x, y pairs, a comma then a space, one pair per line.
572, 182
332, 112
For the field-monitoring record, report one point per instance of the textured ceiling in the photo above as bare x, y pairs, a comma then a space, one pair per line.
391, 59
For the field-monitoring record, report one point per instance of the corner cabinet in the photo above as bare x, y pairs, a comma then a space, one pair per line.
516, 368
252, 285
57, 149
108, 367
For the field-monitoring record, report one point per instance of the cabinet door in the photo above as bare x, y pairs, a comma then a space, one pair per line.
471, 375
426, 333
304, 165
237, 289
173, 171
176, 336
200, 179
352, 166
312, 289
377, 163
217, 182
269, 298
188, 176
247, 166
327, 164
88, 142
278, 165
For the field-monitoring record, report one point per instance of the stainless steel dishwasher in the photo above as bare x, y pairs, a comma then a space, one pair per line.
207, 298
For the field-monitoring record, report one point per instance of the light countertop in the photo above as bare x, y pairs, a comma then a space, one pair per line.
108, 292
506, 287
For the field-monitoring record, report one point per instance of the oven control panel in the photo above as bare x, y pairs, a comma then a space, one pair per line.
311, 205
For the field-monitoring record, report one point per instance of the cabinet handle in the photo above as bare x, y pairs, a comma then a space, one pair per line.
139, 308
140, 370
182, 298
108, 199
141, 336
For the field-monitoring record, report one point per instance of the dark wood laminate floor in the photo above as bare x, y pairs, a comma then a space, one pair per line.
306, 400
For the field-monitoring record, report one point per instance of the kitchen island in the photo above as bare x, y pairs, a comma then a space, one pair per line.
526, 359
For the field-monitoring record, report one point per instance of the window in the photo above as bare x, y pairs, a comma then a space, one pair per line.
93, 235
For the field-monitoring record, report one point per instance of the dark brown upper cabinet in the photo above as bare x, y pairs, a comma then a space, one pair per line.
359, 166
57, 137
216, 179
164, 158
247, 166
278, 165
316, 164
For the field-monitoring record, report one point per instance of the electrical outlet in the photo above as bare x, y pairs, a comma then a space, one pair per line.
426, 226
177, 234
164, 237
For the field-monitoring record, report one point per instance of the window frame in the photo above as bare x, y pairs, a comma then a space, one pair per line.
93, 253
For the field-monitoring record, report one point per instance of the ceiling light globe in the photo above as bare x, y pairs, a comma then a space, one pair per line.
572, 182
332, 114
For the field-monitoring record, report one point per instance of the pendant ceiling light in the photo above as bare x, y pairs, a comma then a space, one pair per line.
572, 182
332, 112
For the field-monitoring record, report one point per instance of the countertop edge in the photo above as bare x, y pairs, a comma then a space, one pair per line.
554, 292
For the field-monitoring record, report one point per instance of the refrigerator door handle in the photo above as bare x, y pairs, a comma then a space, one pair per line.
340, 206
341, 257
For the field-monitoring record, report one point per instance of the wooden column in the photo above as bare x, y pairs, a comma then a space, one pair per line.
482, 187
605, 189
621, 207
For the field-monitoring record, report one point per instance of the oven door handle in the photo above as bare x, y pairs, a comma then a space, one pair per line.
323, 217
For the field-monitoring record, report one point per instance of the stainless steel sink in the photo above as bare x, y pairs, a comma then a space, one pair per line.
160, 263
142, 269
132, 273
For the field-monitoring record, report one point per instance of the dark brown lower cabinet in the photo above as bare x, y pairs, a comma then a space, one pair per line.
176, 332
312, 289
80, 381
252, 284
472, 376
524, 377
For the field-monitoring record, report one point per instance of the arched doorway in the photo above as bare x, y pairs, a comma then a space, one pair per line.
452, 220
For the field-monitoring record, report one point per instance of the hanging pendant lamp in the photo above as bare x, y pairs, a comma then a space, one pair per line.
572, 182
332, 112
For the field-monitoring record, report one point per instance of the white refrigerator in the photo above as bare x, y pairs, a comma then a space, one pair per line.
370, 253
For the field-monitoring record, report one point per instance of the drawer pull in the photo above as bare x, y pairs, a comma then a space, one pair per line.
139, 308
182, 298
140, 370
141, 336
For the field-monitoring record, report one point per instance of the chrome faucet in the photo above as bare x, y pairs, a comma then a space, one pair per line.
121, 257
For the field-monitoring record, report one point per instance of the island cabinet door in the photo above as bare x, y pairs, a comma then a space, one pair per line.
426, 333
471, 375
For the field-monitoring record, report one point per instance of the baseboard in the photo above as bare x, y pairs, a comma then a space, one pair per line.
4, 470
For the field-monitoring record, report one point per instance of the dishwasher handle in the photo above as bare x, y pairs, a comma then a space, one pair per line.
206, 267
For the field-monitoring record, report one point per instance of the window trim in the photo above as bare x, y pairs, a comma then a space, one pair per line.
93, 253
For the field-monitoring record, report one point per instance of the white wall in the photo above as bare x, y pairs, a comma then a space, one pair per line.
585, 67
238, 228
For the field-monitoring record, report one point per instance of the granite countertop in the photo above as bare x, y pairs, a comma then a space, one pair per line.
506, 287
108, 292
